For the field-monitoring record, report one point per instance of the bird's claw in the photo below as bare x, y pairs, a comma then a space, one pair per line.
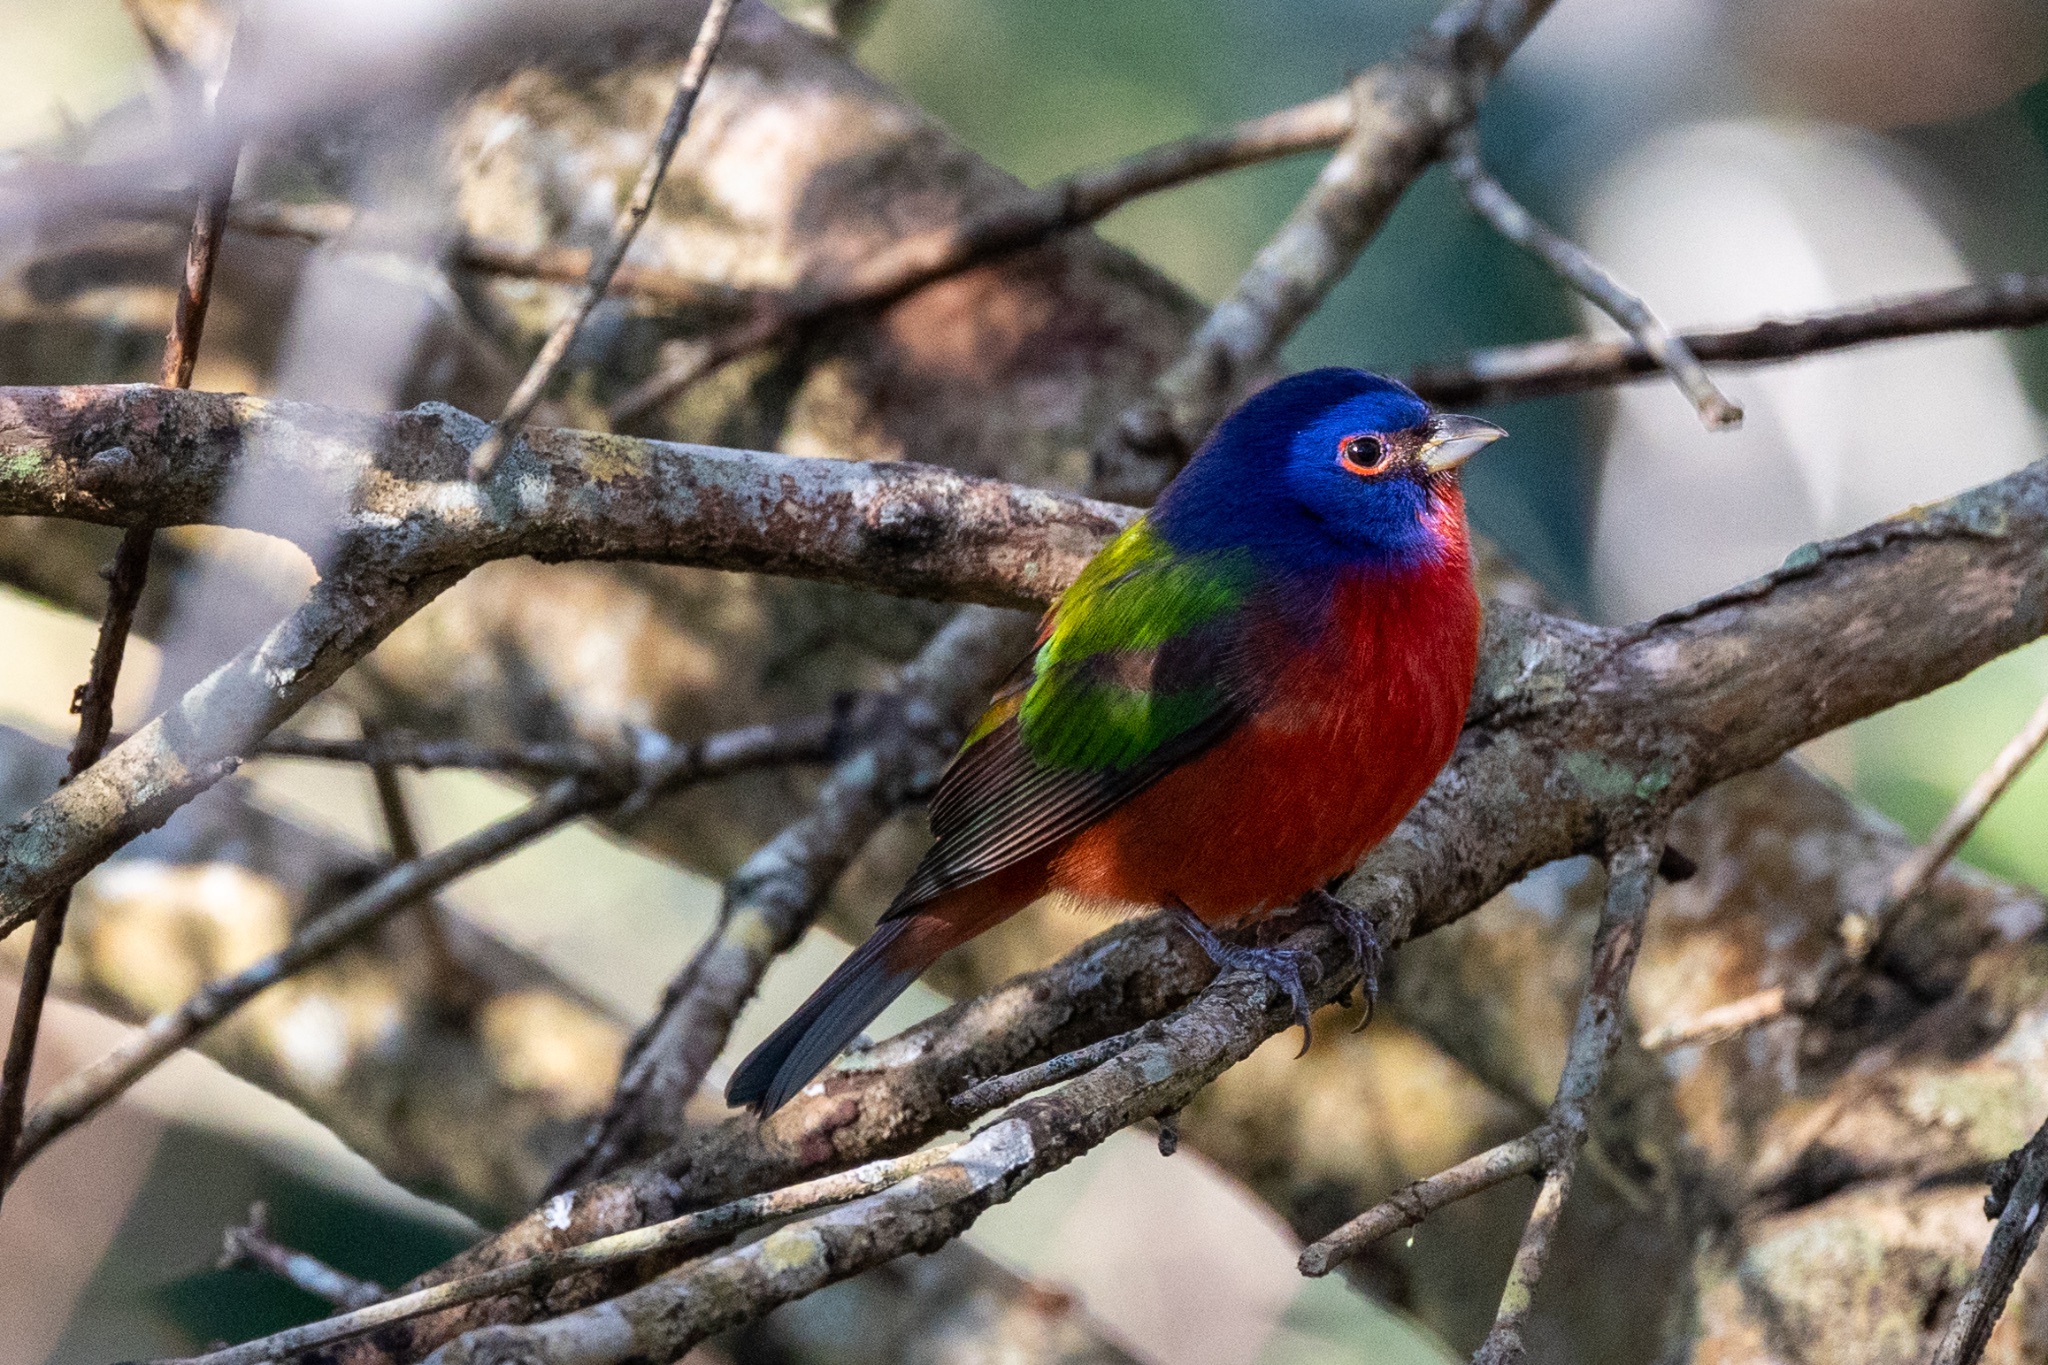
1362, 934
1284, 967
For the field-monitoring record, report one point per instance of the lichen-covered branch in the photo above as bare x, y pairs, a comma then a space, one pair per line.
105, 454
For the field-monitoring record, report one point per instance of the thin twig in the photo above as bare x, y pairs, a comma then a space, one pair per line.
997, 1091
1553, 1146
252, 1244
1490, 199
1860, 934
393, 749
658, 1239
1409, 1206
83, 1094
451, 986
1631, 873
671, 766
1575, 364
1032, 217
1719, 1023
94, 702
624, 229
2019, 1190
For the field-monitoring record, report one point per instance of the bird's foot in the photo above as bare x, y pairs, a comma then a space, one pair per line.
1362, 933
1287, 968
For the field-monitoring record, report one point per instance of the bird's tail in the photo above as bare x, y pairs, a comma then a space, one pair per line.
861, 988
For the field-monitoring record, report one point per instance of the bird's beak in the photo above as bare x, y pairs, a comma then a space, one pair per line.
1454, 440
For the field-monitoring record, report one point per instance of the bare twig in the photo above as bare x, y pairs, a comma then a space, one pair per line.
1861, 934
998, 1091
1410, 1205
252, 1244
1721, 1022
1490, 199
454, 988
1058, 206
540, 758
94, 702
664, 1239
624, 229
83, 1094
1631, 872
1574, 364
2019, 1192
775, 895
1554, 1145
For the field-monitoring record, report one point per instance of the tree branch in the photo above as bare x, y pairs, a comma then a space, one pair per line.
251, 1244
1404, 112
2019, 1190
94, 702
627, 226
1575, 364
1024, 221
1604, 1009
102, 454
1490, 199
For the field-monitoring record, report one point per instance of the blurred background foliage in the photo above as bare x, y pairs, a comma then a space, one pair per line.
1731, 158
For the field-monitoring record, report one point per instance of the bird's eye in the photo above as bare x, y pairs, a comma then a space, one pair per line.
1362, 454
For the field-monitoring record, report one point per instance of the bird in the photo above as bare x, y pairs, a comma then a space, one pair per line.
1239, 696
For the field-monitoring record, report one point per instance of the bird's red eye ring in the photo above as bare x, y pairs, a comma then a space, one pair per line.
1366, 455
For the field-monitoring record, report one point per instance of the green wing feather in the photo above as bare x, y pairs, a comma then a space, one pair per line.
1140, 666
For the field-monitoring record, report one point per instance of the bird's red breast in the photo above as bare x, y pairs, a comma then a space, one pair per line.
1352, 733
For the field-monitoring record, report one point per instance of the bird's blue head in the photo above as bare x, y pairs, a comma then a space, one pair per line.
1326, 470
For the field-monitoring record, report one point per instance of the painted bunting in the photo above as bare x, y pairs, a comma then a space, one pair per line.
1239, 696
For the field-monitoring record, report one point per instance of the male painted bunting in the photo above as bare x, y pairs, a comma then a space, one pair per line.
1238, 697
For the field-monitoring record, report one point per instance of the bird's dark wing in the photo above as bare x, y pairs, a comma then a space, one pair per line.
1145, 663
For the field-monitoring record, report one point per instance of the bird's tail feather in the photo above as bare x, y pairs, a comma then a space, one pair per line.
860, 988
